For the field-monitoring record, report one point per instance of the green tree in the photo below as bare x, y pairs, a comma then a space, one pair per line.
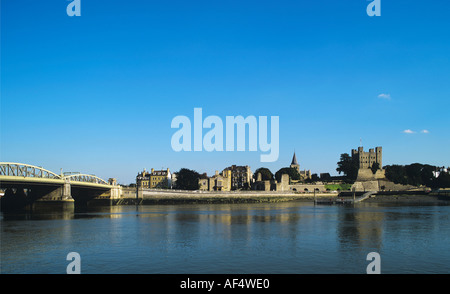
266, 174
325, 177
427, 175
397, 174
187, 179
415, 174
375, 167
292, 172
348, 166
443, 181
314, 178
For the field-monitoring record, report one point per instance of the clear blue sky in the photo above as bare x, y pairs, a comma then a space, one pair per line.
97, 93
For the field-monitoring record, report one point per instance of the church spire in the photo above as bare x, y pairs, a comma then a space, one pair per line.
294, 160
294, 163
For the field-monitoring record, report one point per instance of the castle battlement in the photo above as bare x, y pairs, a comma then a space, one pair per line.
367, 159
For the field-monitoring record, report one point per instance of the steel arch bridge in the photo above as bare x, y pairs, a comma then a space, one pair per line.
22, 170
23, 184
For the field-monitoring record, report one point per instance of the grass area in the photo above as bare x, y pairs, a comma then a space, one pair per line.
335, 187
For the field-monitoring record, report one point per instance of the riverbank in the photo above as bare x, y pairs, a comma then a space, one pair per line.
407, 198
238, 198
152, 196
210, 198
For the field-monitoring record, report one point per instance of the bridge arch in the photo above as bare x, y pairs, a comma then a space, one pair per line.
85, 178
15, 169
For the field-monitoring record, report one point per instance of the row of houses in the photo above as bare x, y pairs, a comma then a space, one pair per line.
234, 177
231, 178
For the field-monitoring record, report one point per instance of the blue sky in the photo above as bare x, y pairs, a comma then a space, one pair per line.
97, 93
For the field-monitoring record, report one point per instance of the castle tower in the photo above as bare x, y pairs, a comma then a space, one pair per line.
367, 159
379, 156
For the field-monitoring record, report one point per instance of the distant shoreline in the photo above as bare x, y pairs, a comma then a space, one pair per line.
248, 197
408, 198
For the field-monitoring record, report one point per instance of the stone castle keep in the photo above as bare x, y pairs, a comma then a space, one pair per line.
366, 160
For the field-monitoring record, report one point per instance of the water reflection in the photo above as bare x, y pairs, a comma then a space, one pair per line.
291, 237
360, 227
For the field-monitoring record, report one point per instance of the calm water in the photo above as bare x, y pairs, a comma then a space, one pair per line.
289, 238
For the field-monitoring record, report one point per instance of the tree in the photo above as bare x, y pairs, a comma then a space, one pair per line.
397, 174
443, 181
266, 174
427, 175
314, 178
292, 172
187, 179
415, 174
325, 177
375, 167
348, 166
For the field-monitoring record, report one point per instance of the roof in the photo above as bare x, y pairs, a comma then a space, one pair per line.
294, 160
237, 167
159, 173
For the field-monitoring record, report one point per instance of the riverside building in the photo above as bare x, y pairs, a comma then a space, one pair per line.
154, 179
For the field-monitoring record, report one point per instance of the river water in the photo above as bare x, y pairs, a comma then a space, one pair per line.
263, 238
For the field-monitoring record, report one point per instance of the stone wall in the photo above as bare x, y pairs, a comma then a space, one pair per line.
283, 185
366, 174
391, 186
307, 187
380, 185
366, 186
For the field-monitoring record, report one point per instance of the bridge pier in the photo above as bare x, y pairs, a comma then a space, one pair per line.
61, 194
116, 192
66, 194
